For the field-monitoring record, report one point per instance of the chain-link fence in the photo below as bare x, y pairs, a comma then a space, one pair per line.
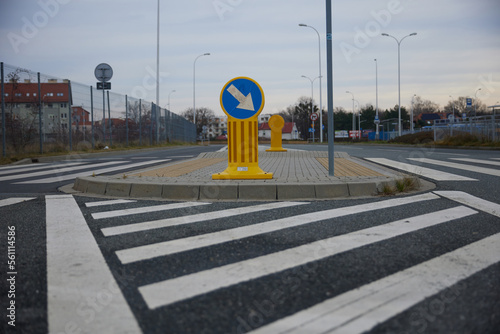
42, 113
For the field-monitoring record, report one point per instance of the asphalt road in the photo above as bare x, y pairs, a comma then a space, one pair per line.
417, 263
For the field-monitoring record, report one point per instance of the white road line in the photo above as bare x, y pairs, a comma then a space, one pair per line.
185, 244
361, 309
123, 229
472, 201
22, 168
138, 158
184, 287
421, 171
57, 170
477, 161
109, 202
14, 200
81, 290
146, 209
88, 173
482, 170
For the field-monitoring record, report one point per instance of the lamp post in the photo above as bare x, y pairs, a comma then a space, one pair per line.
475, 101
411, 114
353, 116
399, 75
320, 91
312, 96
194, 92
359, 119
377, 120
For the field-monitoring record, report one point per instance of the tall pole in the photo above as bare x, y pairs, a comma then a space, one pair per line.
4, 144
92, 114
411, 114
320, 90
453, 113
126, 118
329, 87
475, 101
40, 117
399, 75
70, 98
353, 114
377, 120
312, 97
157, 72
194, 92
110, 123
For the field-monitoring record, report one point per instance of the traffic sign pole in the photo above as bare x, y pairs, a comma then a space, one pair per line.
242, 100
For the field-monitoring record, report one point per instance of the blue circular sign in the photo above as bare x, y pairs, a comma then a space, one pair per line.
242, 98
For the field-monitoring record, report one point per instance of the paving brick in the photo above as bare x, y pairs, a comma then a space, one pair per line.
257, 192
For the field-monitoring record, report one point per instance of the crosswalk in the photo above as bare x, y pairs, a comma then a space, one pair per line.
120, 236
418, 166
46, 173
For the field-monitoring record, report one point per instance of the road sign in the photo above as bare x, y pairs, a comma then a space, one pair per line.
376, 121
314, 116
311, 129
103, 72
469, 102
104, 85
242, 98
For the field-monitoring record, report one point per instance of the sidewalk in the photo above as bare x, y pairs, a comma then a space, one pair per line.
297, 175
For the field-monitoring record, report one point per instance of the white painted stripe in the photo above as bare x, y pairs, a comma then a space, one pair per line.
77, 275
139, 158
181, 156
21, 168
14, 200
360, 310
477, 169
421, 171
146, 209
109, 231
472, 201
109, 202
224, 149
184, 287
57, 170
181, 245
478, 161
89, 173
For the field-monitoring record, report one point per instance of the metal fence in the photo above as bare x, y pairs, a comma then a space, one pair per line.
485, 128
42, 113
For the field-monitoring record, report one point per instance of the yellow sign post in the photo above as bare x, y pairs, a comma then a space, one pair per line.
276, 123
242, 100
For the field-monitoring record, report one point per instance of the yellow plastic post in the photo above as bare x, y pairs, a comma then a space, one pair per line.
276, 123
242, 139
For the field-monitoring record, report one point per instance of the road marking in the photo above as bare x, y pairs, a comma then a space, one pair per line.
57, 170
361, 309
472, 201
485, 162
181, 245
421, 171
21, 168
144, 226
146, 209
88, 173
489, 171
81, 290
139, 158
109, 202
14, 200
184, 287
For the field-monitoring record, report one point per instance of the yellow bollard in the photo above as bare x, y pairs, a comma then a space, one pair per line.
242, 100
276, 123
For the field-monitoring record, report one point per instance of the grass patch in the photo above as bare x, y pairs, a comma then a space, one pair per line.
424, 137
403, 185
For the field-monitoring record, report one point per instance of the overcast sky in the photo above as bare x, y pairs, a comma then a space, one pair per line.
455, 52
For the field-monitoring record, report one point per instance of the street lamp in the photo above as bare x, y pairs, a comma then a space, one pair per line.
320, 91
399, 75
194, 90
353, 116
312, 95
475, 101
377, 120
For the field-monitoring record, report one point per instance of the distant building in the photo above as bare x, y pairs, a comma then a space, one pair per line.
22, 103
289, 131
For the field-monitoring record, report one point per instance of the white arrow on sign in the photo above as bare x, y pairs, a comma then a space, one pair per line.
245, 101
